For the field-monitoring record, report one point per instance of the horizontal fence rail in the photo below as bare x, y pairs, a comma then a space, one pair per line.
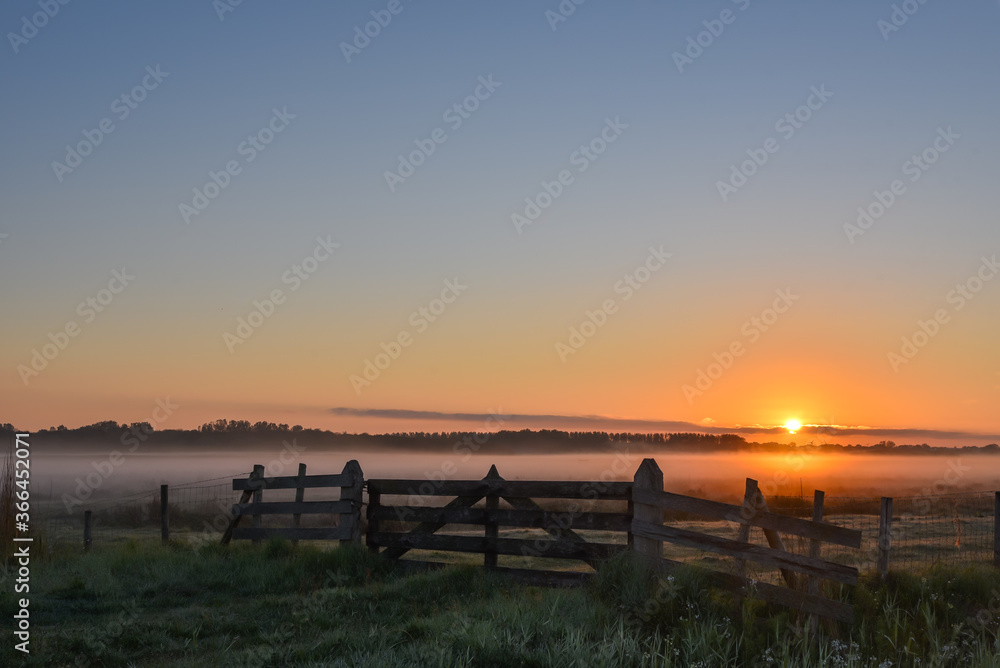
348, 508
650, 533
559, 541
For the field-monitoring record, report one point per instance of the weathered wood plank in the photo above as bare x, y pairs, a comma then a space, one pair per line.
648, 479
763, 555
257, 496
292, 533
422, 528
717, 510
557, 533
292, 482
797, 600
300, 496
815, 550
290, 507
510, 546
245, 497
537, 489
537, 519
374, 507
491, 529
774, 539
352, 492
884, 536
743, 535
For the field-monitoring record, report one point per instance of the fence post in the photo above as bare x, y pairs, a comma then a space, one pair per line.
649, 477
996, 529
374, 501
164, 514
87, 519
884, 536
351, 521
258, 497
749, 510
815, 548
300, 495
491, 528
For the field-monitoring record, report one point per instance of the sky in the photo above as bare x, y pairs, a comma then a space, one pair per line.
729, 214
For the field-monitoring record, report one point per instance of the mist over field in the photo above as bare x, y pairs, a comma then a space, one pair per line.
785, 470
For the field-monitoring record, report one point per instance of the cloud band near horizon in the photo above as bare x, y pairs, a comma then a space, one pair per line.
603, 423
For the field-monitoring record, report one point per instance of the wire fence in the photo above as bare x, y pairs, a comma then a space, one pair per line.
198, 512
949, 529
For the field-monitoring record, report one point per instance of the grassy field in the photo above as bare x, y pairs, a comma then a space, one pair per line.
142, 604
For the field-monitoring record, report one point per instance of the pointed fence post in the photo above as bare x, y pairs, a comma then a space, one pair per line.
491, 528
350, 521
648, 477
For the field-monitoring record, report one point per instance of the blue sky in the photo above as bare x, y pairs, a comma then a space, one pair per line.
324, 174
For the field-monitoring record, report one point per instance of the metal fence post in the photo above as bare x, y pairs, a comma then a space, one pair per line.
884, 536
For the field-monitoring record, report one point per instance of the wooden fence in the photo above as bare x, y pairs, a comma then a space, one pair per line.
348, 529
650, 501
561, 539
402, 517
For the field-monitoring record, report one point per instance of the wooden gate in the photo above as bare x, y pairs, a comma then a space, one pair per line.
560, 526
347, 529
650, 502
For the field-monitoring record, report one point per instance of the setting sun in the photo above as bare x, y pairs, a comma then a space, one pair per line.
793, 426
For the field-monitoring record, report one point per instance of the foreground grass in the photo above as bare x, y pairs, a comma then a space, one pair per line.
147, 605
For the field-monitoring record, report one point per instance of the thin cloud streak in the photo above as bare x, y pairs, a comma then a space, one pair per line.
603, 423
